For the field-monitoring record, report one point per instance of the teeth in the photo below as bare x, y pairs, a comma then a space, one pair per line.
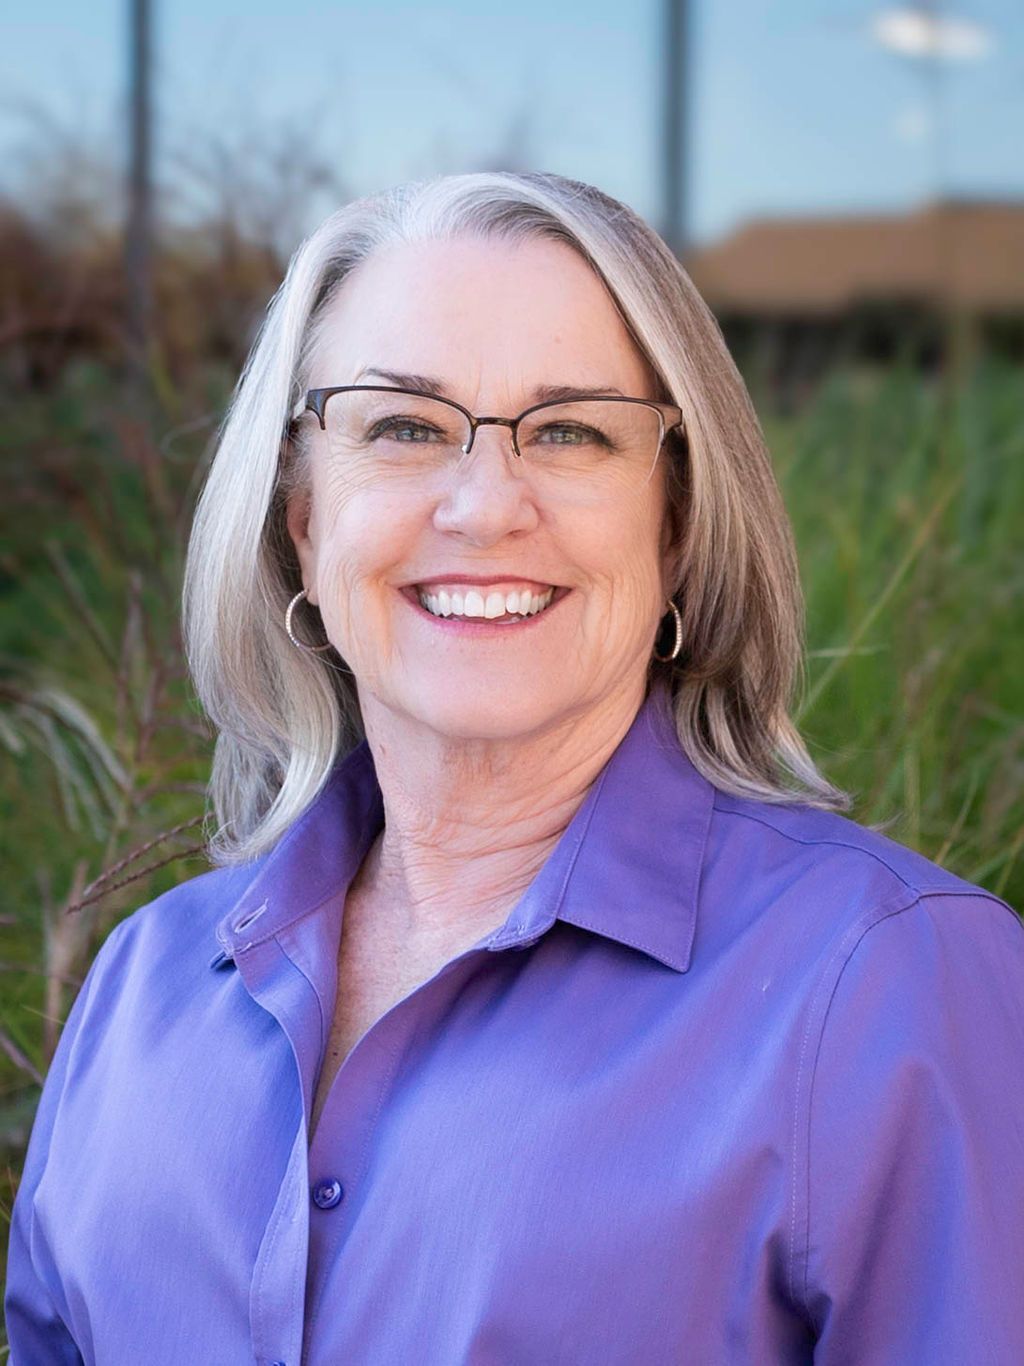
474, 604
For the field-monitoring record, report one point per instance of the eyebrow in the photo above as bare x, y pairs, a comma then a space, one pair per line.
544, 393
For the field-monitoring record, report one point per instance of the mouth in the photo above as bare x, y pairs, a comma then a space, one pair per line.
475, 606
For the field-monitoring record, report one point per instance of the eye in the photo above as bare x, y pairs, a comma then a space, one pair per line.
575, 433
394, 426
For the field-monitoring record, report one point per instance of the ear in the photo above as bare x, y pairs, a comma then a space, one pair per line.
301, 528
670, 556
670, 549
673, 532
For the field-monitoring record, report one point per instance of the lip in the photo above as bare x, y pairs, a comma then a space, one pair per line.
479, 626
482, 580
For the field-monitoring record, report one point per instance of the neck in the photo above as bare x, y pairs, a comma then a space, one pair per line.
468, 823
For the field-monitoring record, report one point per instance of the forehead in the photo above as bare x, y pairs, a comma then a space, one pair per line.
487, 316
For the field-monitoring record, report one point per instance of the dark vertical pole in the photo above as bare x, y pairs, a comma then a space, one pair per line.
674, 140
936, 103
139, 225
956, 330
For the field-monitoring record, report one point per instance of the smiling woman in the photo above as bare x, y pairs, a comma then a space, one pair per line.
557, 498
543, 1006
491, 294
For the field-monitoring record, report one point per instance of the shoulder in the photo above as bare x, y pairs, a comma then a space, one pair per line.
152, 966
814, 895
173, 936
857, 872
889, 947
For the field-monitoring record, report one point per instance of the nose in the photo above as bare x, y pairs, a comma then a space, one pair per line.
488, 494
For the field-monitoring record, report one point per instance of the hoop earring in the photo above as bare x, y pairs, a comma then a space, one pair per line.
665, 659
312, 649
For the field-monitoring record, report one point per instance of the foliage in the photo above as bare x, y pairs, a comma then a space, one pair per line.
906, 497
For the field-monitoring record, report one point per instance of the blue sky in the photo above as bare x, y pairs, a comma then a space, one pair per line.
794, 107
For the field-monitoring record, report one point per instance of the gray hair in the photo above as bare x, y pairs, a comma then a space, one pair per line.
284, 716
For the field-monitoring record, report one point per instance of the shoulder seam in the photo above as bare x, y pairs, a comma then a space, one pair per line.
972, 890
926, 889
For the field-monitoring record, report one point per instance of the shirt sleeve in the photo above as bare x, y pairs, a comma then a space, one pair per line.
33, 1297
909, 1203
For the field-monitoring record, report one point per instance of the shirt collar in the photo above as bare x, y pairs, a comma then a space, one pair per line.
627, 867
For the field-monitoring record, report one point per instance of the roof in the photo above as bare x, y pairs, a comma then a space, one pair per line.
973, 250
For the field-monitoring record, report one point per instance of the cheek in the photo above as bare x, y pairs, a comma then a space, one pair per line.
620, 553
363, 537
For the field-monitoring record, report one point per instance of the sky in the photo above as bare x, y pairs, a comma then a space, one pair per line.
794, 108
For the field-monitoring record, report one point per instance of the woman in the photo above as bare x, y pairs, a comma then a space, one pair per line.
543, 1007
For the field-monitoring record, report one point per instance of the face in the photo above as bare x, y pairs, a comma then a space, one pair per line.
492, 322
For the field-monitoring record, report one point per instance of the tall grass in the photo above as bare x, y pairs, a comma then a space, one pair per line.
907, 500
102, 752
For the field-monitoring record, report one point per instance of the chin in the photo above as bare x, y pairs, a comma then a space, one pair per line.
495, 712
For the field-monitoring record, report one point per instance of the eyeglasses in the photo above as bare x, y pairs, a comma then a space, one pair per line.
388, 432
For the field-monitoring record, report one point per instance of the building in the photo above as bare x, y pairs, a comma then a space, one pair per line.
799, 293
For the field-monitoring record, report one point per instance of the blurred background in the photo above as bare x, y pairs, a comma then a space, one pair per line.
842, 178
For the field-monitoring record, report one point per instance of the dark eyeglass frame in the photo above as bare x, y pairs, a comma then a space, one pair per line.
671, 415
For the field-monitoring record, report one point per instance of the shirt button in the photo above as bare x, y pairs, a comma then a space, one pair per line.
326, 1194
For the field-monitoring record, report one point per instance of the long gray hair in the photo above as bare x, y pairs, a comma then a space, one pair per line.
284, 716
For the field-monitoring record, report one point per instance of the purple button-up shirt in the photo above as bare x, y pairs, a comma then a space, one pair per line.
734, 1082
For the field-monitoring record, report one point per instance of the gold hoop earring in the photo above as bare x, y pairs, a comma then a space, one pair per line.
312, 649
665, 659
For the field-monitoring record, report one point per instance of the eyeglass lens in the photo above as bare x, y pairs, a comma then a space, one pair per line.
391, 431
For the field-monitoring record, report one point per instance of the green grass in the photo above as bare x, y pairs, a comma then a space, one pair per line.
907, 500
907, 505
